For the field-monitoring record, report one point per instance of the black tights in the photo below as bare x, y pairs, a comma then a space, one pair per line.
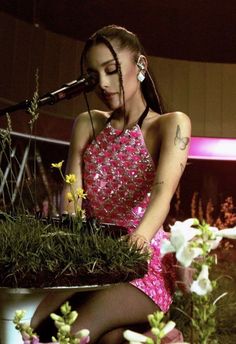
106, 313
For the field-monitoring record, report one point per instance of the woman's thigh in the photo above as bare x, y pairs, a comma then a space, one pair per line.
112, 308
116, 336
102, 311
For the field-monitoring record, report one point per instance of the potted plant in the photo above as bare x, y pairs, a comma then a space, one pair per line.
37, 254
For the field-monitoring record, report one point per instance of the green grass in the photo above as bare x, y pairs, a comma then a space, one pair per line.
37, 254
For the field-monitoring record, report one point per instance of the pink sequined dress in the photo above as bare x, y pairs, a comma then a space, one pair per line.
118, 175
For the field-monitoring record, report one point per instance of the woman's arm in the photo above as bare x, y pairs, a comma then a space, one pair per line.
81, 134
175, 130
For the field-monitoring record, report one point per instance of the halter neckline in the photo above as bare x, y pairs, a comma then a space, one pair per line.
140, 120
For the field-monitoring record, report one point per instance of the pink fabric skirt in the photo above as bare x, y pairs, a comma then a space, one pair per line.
159, 281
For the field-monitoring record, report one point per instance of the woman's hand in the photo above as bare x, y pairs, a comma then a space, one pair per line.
140, 241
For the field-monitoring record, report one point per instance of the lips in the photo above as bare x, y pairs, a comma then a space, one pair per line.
108, 95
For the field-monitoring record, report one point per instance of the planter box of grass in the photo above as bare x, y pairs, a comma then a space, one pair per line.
39, 254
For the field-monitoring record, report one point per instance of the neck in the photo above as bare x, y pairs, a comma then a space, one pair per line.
132, 112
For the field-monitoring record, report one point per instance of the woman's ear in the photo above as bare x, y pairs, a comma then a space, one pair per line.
142, 63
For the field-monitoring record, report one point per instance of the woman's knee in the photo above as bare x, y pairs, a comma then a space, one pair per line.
116, 336
113, 337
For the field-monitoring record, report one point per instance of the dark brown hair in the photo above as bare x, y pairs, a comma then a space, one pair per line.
125, 39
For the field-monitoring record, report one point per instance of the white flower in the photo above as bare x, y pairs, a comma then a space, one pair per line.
181, 234
202, 285
167, 328
213, 244
82, 333
211, 238
186, 254
229, 233
83, 336
134, 337
166, 247
218, 235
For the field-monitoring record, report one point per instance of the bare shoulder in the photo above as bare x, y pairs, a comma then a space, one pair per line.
173, 122
96, 116
171, 118
84, 121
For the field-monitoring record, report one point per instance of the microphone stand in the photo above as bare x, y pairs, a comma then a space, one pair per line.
71, 89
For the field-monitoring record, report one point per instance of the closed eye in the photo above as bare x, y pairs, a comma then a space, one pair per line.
111, 70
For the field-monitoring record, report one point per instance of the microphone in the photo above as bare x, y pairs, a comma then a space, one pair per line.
85, 83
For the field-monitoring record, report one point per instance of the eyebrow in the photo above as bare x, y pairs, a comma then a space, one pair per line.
104, 63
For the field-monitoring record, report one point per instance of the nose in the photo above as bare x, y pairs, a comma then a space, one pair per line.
103, 81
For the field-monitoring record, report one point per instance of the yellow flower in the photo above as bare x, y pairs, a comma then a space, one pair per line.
83, 214
69, 196
81, 193
70, 178
80, 212
57, 165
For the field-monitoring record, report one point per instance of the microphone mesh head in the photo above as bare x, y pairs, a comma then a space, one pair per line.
92, 80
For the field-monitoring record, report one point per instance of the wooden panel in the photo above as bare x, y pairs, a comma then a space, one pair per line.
181, 86
78, 102
213, 120
197, 97
163, 75
67, 71
229, 101
21, 61
7, 34
36, 58
50, 76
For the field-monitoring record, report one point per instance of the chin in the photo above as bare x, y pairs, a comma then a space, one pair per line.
112, 106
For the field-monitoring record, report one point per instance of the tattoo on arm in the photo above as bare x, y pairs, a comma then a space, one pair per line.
182, 167
159, 182
180, 141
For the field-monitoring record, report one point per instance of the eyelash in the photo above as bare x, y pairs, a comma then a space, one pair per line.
112, 72
107, 71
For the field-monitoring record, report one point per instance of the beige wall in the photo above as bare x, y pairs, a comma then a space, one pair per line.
206, 91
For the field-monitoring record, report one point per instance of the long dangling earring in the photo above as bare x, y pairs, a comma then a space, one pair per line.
141, 74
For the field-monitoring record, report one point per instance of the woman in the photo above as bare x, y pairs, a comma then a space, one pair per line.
129, 161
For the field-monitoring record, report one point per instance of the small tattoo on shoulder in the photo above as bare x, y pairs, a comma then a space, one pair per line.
180, 141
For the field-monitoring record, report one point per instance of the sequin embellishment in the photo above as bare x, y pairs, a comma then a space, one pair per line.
118, 175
